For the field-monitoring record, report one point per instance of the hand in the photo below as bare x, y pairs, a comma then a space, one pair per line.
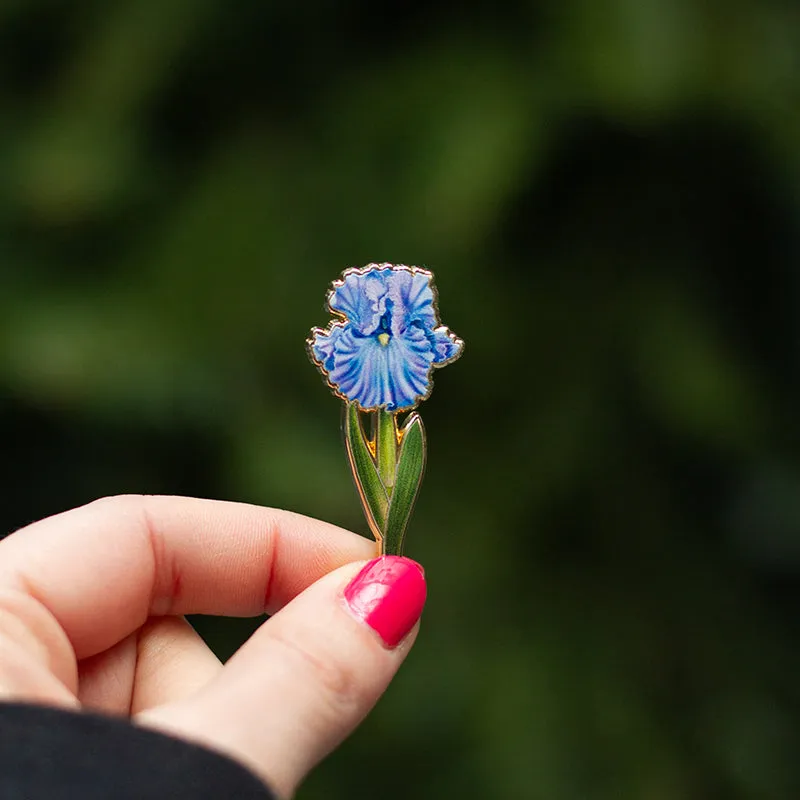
90, 617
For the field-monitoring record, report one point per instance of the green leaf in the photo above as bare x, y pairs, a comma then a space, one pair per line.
362, 463
410, 467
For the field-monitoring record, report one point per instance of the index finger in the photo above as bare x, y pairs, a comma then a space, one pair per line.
101, 570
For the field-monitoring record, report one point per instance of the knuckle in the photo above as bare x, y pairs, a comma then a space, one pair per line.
333, 676
27, 626
23, 679
23, 622
12, 627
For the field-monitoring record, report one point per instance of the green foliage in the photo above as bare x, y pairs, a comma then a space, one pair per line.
410, 469
365, 470
608, 194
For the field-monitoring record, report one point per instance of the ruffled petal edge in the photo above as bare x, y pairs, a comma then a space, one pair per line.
447, 347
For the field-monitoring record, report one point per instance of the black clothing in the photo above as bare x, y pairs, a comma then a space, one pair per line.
52, 754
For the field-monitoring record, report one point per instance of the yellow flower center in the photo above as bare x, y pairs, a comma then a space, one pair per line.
383, 338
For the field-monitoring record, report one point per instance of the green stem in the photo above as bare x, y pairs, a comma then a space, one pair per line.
386, 447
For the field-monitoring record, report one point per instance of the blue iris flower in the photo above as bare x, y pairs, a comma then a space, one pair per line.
381, 351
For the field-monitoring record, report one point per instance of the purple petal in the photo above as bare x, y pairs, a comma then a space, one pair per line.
393, 376
323, 343
412, 300
362, 299
445, 344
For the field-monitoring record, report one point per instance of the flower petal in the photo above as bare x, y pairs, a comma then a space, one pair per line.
411, 294
445, 344
361, 297
394, 376
382, 353
323, 343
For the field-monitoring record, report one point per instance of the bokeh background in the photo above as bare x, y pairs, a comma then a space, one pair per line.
609, 195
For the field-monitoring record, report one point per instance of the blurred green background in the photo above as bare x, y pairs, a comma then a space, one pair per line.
609, 195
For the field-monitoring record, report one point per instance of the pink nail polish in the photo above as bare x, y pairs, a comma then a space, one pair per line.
389, 595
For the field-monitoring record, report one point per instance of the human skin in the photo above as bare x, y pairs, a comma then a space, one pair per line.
91, 617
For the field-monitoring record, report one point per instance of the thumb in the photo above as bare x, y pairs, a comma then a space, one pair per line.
309, 675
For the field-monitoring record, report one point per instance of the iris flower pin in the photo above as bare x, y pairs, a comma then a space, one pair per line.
378, 355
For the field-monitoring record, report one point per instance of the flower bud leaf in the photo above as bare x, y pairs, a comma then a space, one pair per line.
410, 468
370, 488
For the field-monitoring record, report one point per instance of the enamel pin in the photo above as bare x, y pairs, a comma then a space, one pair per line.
378, 355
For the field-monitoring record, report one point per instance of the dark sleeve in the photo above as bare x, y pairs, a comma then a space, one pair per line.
50, 754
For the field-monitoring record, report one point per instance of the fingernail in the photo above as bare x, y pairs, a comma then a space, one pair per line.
389, 595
